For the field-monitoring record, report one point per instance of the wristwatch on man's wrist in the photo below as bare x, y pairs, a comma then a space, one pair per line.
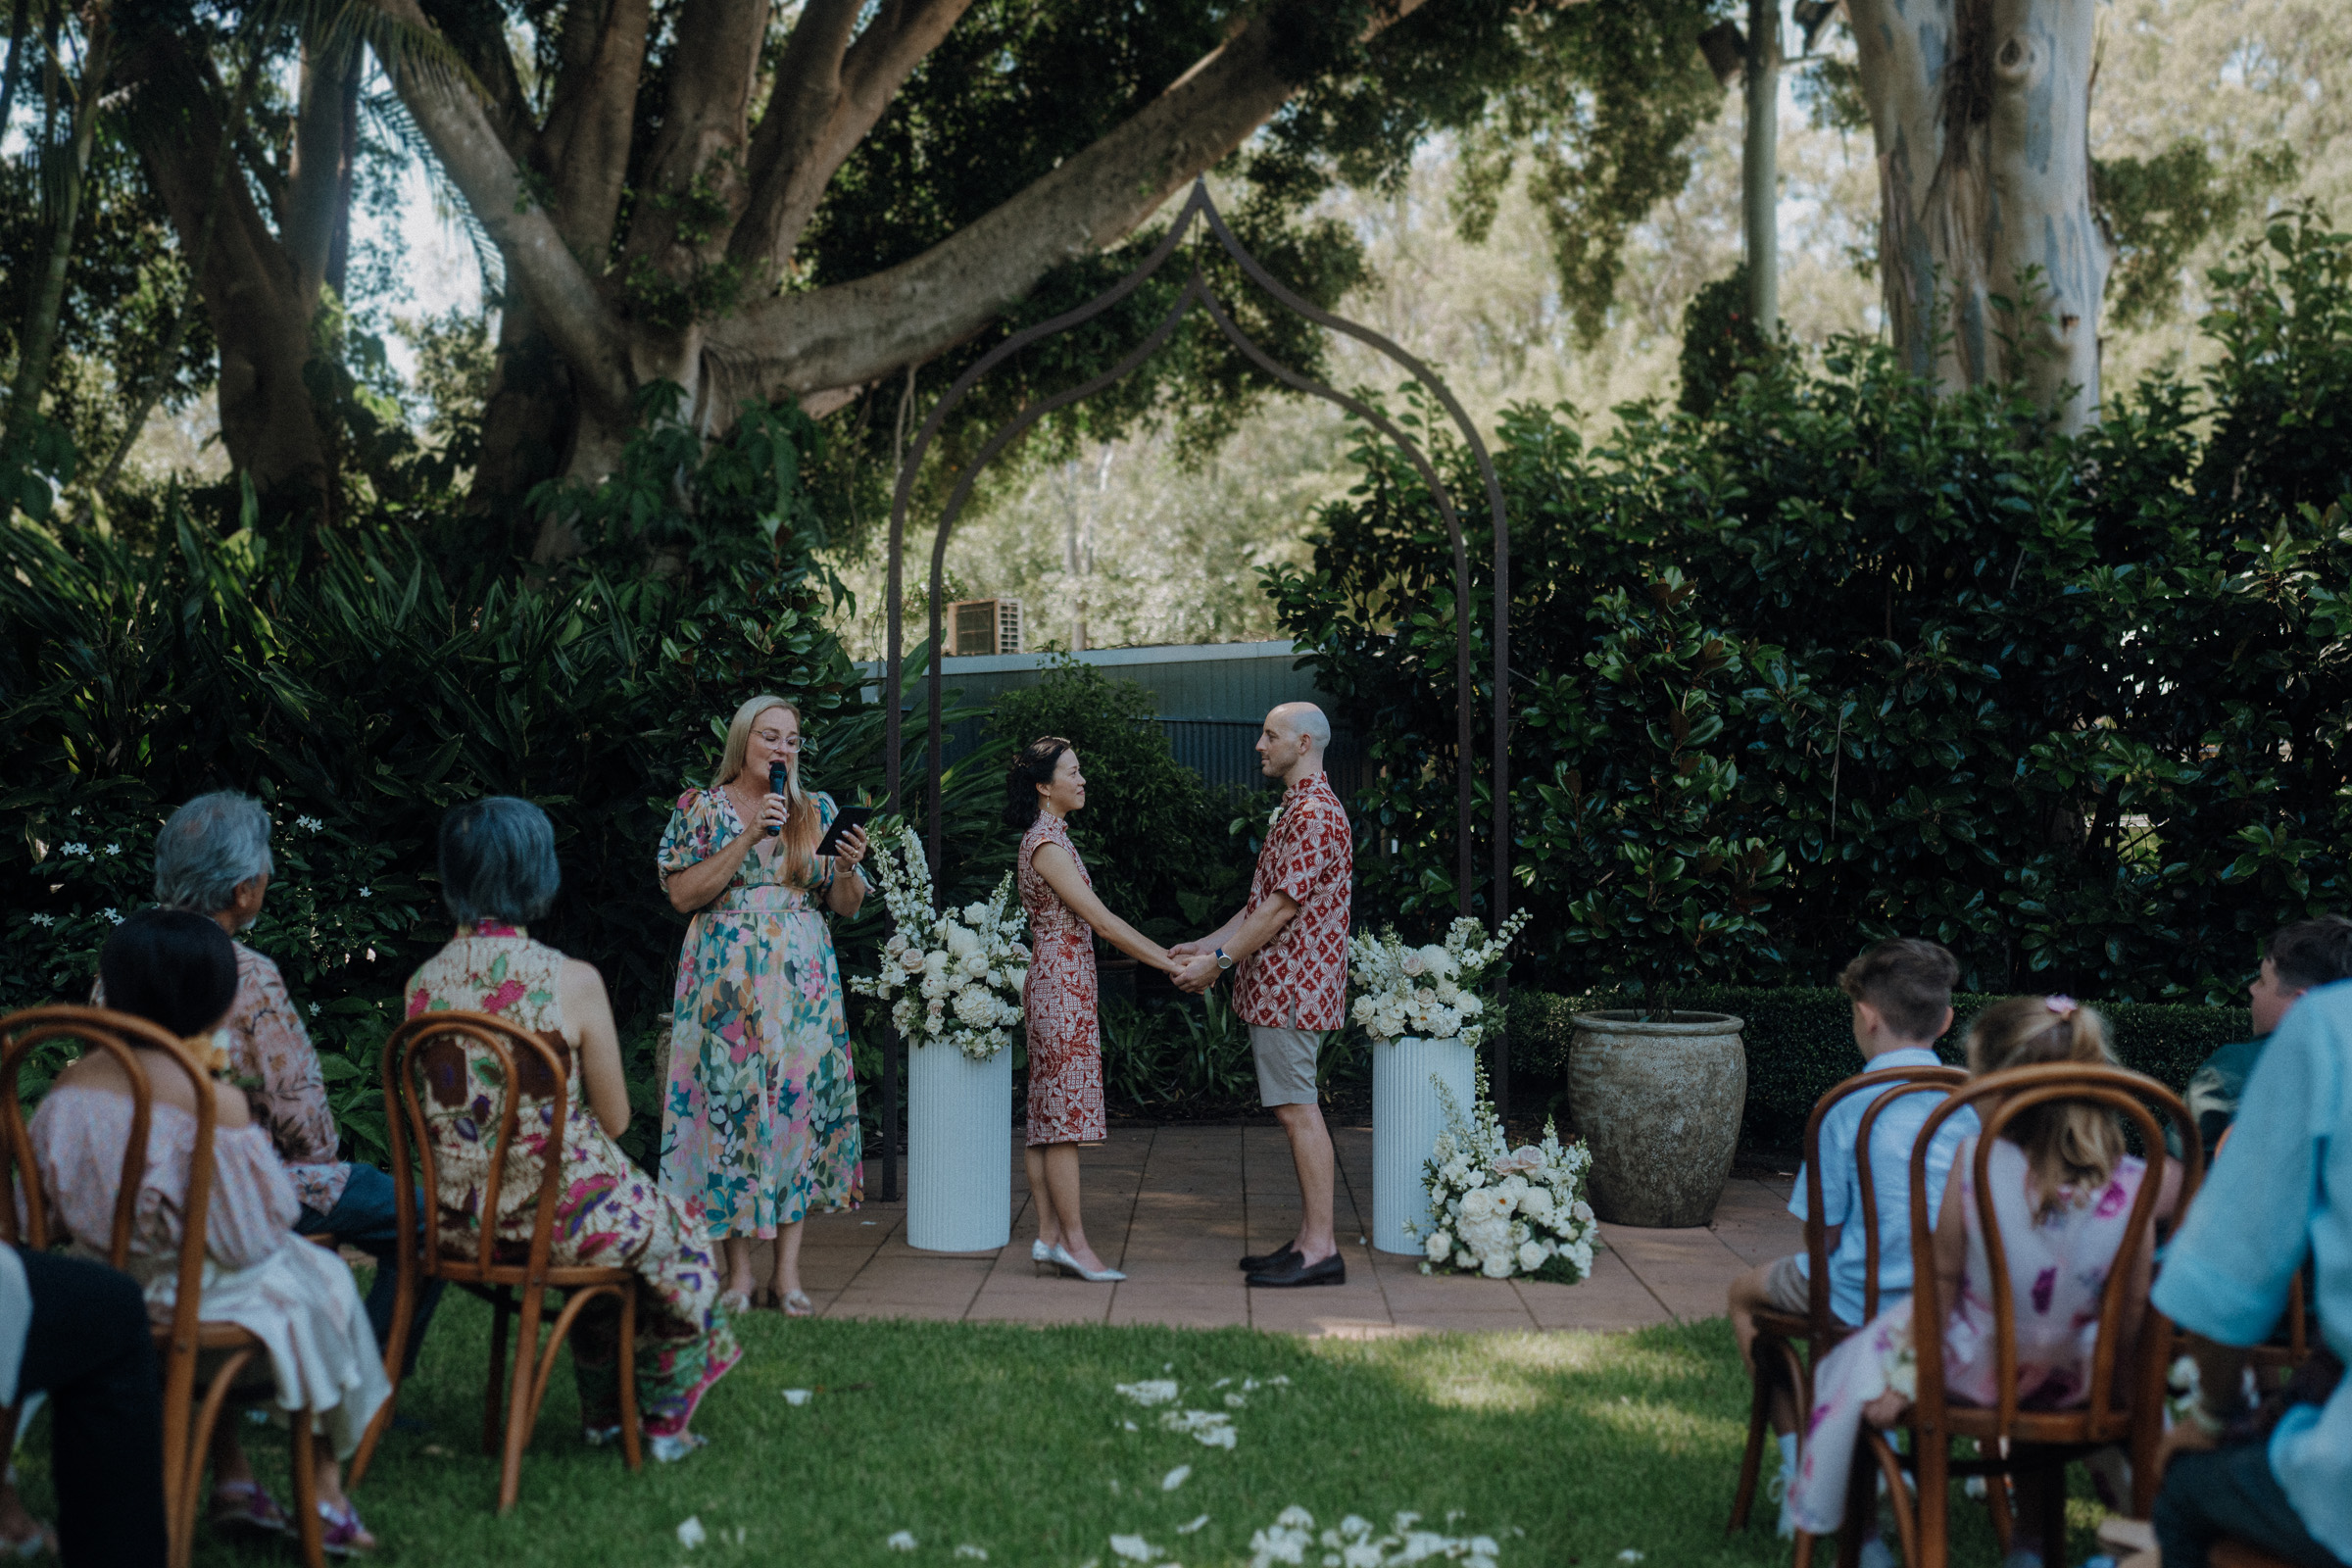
1223, 963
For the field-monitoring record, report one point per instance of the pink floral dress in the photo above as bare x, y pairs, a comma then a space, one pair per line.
2058, 1265
1058, 1002
609, 1213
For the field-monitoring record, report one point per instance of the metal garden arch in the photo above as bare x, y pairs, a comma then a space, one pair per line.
1200, 208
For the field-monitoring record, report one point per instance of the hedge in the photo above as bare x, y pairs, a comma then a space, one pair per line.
1800, 1044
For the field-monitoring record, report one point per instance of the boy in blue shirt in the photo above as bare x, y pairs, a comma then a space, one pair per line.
1901, 992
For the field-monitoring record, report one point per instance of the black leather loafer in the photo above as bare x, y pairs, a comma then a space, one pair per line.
1262, 1263
1296, 1271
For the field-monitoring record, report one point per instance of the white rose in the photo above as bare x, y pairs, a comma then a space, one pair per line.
1449, 993
959, 940
936, 985
935, 1013
1438, 1246
975, 963
1469, 1006
936, 960
912, 961
902, 1015
1412, 963
975, 913
1019, 979
896, 944
1533, 1255
1582, 1212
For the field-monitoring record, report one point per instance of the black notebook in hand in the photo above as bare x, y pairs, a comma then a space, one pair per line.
852, 818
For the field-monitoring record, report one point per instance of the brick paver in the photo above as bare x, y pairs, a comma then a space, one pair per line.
1174, 1207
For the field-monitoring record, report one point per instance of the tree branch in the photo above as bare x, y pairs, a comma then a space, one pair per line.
848, 334
562, 296
319, 180
827, 96
587, 138
704, 129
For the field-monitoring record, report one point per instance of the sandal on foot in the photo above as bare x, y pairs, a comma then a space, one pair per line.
345, 1536
798, 1305
244, 1503
735, 1303
598, 1436
670, 1447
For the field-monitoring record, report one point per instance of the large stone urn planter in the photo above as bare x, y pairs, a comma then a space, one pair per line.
1658, 1102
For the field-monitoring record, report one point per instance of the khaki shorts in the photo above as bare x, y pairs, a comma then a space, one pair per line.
1286, 1063
1786, 1288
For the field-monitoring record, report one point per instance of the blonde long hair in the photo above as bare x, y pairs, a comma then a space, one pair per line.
801, 830
2068, 1145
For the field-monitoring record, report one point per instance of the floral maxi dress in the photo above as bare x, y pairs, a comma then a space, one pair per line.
609, 1214
760, 1118
1059, 1002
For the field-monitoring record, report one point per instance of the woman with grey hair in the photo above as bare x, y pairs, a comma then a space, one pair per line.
499, 873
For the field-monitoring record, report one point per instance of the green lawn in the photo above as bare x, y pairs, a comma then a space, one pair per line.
1569, 1448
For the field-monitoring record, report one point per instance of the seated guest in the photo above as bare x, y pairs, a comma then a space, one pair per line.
179, 971
497, 871
77, 1330
2062, 1189
1901, 992
213, 858
2280, 1193
2297, 959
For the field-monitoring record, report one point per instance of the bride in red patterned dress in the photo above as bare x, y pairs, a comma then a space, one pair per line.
1065, 1043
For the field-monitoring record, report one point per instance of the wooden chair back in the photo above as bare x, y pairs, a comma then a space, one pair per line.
2116, 1407
1884, 1086
528, 1067
117, 1034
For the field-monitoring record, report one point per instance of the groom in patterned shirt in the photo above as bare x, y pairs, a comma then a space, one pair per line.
1288, 947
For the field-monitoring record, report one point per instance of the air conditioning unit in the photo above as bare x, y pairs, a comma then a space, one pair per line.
984, 627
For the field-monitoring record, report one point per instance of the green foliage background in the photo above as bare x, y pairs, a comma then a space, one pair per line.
2076, 708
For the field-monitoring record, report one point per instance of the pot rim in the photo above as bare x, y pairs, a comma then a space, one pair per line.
1629, 1021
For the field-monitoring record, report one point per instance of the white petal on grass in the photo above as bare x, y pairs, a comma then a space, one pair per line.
691, 1534
1175, 1478
1192, 1526
1131, 1426
796, 1396
975, 1553
1135, 1549
1211, 1429
1296, 1518
1153, 1390
1629, 1554
1237, 1402
901, 1541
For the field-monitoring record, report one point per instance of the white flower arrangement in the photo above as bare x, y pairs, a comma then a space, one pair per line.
1430, 993
1499, 1210
952, 977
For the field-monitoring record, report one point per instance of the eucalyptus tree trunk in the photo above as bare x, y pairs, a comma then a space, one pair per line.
1759, 166
63, 185
1991, 255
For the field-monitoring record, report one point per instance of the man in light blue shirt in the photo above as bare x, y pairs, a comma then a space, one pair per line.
2280, 1193
1901, 992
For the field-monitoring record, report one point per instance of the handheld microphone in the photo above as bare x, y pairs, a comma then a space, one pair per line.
777, 786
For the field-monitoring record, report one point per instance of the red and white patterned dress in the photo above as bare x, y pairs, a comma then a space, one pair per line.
1065, 1040
1300, 979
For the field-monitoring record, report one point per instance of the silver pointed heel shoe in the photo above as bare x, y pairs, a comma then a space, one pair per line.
1041, 1256
1094, 1276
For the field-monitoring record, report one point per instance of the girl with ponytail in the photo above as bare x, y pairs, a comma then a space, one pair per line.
2062, 1191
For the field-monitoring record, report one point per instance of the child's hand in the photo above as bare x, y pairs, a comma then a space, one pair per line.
1886, 1410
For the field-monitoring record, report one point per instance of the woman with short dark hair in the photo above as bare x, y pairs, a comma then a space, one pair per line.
498, 874
1060, 1000
178, 970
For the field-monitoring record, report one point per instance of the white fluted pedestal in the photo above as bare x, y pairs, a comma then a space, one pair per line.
1407, 1119
958, 1165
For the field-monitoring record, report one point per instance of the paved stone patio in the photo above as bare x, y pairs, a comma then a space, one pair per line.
1175, 1207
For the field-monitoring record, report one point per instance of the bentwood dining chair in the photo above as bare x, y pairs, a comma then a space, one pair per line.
226, 1351
515, 1278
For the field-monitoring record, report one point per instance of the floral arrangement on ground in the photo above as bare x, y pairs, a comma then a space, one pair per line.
1502, 1211
952, 977
1430, 992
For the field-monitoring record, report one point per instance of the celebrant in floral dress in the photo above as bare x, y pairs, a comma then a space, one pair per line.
498, 870
1059, 999
760, 1118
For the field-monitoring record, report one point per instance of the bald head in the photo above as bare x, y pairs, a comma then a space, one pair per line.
1293, 741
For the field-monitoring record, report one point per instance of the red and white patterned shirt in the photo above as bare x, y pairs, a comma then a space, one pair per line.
1310, 854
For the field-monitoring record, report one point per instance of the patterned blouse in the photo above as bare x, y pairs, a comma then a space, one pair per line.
1310, 854
268, 1047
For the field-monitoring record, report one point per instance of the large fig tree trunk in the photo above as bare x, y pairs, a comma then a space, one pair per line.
1991, 257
